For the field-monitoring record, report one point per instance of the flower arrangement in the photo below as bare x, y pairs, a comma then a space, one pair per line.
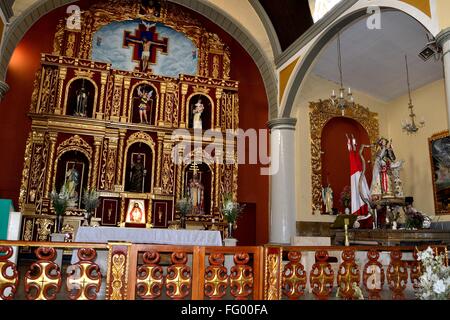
346, 197
414, 220
60, 200
231, 210
184, 205
434, 284
91, 201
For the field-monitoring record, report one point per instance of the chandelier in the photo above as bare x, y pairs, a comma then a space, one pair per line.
344, 100
410, 126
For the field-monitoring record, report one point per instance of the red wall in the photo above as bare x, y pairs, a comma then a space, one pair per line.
335, 159
15, 125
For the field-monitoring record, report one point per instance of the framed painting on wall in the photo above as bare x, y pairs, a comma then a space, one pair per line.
440, 171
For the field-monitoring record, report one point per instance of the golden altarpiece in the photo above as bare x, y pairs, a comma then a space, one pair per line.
104, 107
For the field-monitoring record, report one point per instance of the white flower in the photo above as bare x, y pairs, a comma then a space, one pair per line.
439, 287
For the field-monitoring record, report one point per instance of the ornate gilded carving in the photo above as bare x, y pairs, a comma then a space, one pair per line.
348, 275
373, 275
43, 279
36, 91
70, 46
167, 170
25, 174
49, 85
97, 145
75, 143
226, 64
241, 277
51, 156
273, 259
110, 167
294, 277
150, 277
320, 113
9, 277
117, 277
397, 275
216, 278
44, 228
120, 157
215, 68
178, 279
84, 277
322, 276
103, 169
28, 233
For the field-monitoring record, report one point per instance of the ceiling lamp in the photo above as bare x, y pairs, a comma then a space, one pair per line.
344, 100
410, 126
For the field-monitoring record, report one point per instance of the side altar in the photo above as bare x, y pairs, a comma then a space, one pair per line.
111, 104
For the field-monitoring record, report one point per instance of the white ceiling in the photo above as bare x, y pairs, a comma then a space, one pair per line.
373, 61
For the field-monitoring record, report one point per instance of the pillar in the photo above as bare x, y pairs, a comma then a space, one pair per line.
283, 211
443, 40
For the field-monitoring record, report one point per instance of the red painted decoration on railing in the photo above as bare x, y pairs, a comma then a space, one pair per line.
241, 277
9, 277
322, 276
373, 275
294, 277
349, 276
397, 275
84, 277
43, 279
150, 277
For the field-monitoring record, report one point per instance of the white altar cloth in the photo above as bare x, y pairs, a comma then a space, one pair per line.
149, 236
143, 236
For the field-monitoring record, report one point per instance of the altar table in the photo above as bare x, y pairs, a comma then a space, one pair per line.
143, 236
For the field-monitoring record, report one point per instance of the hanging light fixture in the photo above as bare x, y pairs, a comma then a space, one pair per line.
410, 126
344, 100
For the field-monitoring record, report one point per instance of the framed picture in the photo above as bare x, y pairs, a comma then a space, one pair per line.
440, 169
109, 212
136, 212
160, 214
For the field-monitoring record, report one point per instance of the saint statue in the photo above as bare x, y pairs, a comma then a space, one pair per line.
196, 194
383, 170
82, 101
198, 110
327, 198
143, 105
136, 213
72, 181
137, 175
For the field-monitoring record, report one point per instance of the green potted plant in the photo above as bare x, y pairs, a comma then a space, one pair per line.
231, 211
59, 201
184, 206
91, 202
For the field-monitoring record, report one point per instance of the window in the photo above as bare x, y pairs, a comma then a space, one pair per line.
320, 7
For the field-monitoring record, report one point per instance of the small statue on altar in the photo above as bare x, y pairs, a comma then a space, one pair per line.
198, 110
196, 194
137, 175
327, 198
82, 101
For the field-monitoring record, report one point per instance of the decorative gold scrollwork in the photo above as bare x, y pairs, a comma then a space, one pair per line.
150, 279
118, 271
348, 275
294, 277
216, 278
178, 279
84, 277
397, 275
322, 276
241, 277
9, 277
43, 279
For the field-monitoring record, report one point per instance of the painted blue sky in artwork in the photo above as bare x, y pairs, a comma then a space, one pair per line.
182, 57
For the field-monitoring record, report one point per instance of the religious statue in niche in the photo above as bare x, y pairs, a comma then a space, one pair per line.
196, 191
146, 43
385, 177
146, 102
151, 7
137, 173
73, 180
327, 197
82, 101
200, 112
136, 212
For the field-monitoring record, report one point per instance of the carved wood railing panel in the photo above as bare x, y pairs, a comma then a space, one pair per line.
136, 271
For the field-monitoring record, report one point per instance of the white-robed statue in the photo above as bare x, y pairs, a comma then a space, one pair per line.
327, 198
198, 110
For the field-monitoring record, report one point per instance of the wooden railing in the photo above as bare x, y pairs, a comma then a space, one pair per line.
125, 271
343, 272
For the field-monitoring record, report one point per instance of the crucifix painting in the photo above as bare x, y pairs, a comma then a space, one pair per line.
146, 44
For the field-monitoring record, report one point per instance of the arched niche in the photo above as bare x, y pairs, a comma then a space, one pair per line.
335, 155
321, 113
195, 102
198, 185
143, 95
139, 145
81, 98
72, 170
